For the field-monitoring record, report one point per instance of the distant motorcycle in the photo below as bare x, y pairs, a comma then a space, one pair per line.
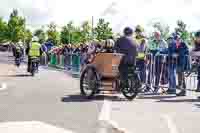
34, 66
18, 58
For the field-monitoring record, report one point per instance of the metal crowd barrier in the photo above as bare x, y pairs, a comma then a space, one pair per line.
157, 66
69, 62
157, 71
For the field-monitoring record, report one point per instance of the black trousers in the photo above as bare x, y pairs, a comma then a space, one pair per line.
123, 68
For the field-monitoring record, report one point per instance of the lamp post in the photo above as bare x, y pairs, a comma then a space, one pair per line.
92, 27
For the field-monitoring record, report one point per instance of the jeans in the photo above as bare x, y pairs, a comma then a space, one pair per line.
181, 81
172, 77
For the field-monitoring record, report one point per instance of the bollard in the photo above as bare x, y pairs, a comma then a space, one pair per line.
57, 59
53, 59
61, 62
43, 59
76, 64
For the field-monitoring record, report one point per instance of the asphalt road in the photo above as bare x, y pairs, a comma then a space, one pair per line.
51, 102
51, 97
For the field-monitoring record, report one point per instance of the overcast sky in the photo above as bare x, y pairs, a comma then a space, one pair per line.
119, 12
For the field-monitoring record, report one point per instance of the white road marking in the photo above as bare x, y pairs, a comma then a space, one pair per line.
171, 125
106, 124
3, 86
30, 127
105, 111
104, 116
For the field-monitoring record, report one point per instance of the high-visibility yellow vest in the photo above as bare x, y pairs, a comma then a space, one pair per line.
34, 49
140, 55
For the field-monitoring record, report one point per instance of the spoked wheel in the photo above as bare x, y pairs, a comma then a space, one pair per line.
89, 82
131, 90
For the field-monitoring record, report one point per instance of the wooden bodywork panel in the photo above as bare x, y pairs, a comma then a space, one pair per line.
107, 64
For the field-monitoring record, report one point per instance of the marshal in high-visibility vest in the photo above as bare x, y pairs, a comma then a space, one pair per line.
141, 48
34, 49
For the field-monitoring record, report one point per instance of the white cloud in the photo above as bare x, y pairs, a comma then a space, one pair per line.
118, 12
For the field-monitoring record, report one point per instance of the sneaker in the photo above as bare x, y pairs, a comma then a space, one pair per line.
170, 91
156, 90
147, 89
182, 93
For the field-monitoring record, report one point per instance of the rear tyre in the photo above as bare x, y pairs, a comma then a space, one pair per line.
89, 82
32, 73
131, 90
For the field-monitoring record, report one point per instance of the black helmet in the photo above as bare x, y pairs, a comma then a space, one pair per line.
128, 31
197, 34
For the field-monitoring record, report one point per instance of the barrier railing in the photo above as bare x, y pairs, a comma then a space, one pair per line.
157, 69
158, 73
69, 62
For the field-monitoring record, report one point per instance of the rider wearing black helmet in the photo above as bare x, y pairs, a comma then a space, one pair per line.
126, 46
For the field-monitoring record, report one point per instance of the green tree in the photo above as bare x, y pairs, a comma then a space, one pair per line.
72, 34
181, 29
53, 34
3, 31
76, 36
66, 33
86, 33
41, 35
163, 28
102, 31
28, 36
16, 27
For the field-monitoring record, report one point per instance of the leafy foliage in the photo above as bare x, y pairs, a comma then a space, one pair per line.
66, 33
53, 34
181, 29
41, 35
28, 36
3, 31
16, 27
163, 28
72, 34
102, 30
86, 33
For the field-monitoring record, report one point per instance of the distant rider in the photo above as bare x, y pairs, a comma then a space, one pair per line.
33, 51
18, 50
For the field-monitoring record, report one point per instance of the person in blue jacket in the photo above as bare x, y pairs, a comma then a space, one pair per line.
172, 65
182, 59
196, 51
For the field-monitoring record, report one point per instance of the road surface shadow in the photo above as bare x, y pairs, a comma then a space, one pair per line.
16, 75
156, 97
80, 98
179, 100
198, 105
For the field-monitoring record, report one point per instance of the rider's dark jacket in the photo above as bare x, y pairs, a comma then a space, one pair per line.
126, 46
